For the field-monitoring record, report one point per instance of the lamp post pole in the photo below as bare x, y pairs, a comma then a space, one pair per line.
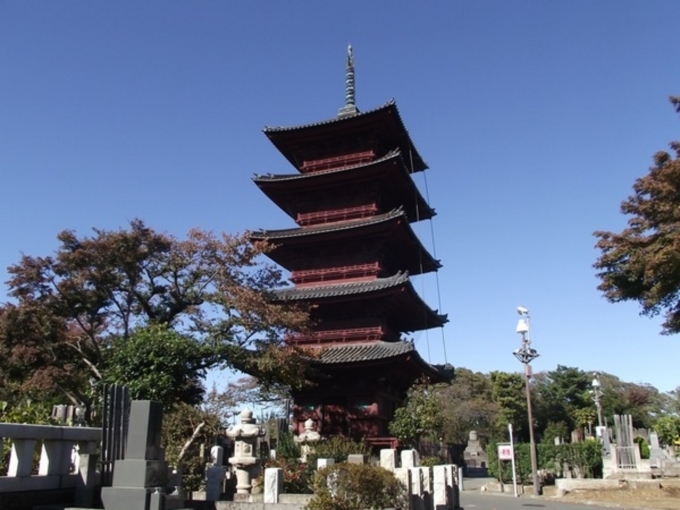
525, 354
597, 394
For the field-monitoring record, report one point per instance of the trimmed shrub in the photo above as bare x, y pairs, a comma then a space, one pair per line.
644, 447
356, 487
297, 476
337, 448
431, 461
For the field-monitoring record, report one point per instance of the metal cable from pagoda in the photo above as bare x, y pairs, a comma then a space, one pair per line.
434, 254
420, 262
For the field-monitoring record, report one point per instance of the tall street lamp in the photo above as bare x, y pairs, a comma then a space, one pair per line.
525, 354
597, 395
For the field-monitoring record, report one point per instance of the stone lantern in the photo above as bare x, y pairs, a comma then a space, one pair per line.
307, 437
245, 460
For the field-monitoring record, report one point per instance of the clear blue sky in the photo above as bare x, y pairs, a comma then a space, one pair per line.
535, 118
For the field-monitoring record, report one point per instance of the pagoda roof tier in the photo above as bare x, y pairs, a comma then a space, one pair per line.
389, 175
380, 353
381, 129
391, 231
394, 298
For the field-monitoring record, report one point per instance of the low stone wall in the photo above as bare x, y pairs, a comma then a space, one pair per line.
66, 469
576, 484
239, 505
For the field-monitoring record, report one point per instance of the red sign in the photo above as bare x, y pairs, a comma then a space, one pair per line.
504, 451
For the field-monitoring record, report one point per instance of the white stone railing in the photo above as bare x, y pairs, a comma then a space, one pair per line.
68, 458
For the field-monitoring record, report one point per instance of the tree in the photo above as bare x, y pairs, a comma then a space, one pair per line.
642, 263
510, 395
69, 309
419, 417
561, 395
466, 404
668, 429
157, 363
642, 401
672, 402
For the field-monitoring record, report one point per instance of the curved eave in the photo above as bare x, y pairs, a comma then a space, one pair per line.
342, 289
381, 353
422, 316
283, 189
385, 118
288, 242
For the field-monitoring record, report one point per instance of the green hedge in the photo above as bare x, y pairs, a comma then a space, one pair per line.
585, 458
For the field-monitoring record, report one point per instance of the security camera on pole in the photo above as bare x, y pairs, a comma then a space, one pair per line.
525, 354
596, 392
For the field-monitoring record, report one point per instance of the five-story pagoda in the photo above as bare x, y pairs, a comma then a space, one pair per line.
350, 256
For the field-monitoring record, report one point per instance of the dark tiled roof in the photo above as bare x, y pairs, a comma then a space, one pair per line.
363, 352
291, 177
281, 137
389, 172
415, 255
327, 227
342, 289
332, 120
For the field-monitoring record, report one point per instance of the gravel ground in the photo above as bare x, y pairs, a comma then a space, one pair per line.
664, 495
657, 495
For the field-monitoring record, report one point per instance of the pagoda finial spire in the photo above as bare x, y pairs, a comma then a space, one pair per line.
350, 107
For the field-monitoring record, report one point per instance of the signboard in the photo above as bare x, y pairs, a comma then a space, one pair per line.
505, 451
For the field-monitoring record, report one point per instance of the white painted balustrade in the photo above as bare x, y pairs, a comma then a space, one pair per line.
68, 458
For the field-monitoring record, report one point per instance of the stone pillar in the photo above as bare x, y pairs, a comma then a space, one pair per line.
417, 490
215, 474
87, 474
440, 494
404, 476
409, 459
426, 477
217, 456
453, 475
21, 457
388, 459
273, 485
322, 463
356, 458
55, 457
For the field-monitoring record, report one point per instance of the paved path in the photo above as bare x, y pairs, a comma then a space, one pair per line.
473, 500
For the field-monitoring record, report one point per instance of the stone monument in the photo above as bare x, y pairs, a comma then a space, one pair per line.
474, 454
245, 460
140, 480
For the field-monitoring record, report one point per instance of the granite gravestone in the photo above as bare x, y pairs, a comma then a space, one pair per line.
140, 480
